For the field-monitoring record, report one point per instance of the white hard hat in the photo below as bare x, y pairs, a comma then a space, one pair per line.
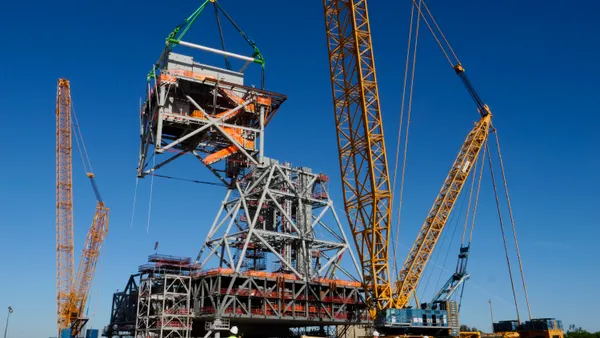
234, 330
375, 334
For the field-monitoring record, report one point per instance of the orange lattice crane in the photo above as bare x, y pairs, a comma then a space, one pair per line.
72, 290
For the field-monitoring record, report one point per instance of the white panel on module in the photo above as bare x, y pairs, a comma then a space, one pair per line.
184, 62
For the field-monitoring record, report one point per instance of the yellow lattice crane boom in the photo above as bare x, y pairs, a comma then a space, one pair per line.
72, 293
361, 146
438, 215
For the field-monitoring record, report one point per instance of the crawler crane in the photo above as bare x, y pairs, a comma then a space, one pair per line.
366, 183
367, 192
72, 290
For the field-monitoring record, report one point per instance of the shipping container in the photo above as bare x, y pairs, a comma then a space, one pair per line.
65, 333
91, 333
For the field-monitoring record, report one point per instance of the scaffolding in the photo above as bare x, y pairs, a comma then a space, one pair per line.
164, 298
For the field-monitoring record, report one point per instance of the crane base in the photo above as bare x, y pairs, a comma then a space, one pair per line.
430, 322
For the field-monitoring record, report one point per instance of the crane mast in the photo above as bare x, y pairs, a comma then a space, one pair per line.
64, 201
361, 146
72, 293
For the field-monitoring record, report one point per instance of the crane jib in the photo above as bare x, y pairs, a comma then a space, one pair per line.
432, 228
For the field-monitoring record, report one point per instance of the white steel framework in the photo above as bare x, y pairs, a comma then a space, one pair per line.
164, 306
273, 220
192, 108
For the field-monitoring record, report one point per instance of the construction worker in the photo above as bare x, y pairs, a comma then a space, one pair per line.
375, 334
234, 332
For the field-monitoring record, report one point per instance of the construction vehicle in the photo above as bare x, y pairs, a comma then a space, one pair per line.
366, 184
72, 290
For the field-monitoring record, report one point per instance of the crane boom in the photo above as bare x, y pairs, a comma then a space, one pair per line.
87, 265
438, 215
64, 201
72, 293
361, 146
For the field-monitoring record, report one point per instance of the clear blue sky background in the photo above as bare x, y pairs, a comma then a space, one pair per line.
534, 62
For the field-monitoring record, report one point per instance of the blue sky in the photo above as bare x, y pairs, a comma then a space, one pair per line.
534, 63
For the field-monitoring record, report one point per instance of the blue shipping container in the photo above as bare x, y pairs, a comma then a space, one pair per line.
65, 333
92, 333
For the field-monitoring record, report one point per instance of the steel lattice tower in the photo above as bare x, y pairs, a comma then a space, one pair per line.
64, 202
275, 214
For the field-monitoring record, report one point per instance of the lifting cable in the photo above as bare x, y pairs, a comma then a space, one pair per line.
189, 180
455, 227
453, 219
448, 251
465, 225
180, 30
476, 202
227, 63
512, 284
435, 36
149, 89
447, 51
477, 196
454, 62
150, 199
473, 175
137, 178
475, 205
512, 221
409, 109
85, 159
257, 54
